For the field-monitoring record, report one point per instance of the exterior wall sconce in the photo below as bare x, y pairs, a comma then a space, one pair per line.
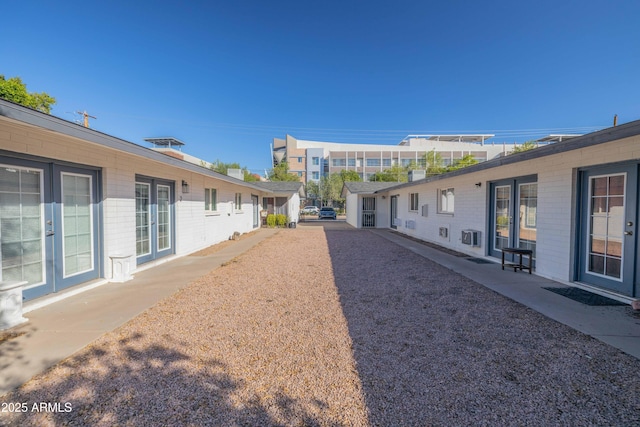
478, 184
185, 187
384, 197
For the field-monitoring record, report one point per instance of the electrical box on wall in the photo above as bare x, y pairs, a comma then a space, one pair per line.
471, 237
443, 232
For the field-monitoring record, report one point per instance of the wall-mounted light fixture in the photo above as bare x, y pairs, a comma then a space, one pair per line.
478, 184
384, 197
185, 187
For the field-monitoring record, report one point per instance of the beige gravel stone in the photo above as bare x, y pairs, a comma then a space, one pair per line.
338, 328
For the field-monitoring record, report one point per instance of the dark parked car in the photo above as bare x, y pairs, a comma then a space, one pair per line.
327, 212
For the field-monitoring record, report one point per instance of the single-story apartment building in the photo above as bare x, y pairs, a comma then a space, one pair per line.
79, 206
284, 198
573, 203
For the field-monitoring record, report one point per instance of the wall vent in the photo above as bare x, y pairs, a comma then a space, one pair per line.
471, 237
410, 224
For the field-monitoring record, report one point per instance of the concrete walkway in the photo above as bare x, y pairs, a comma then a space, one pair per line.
60, 329
614, 325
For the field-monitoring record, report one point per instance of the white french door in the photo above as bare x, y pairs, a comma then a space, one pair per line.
49, 225
154, 218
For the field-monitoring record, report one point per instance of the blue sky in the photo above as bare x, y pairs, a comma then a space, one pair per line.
226, 77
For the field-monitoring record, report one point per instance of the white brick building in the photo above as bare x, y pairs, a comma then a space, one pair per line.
78, 206
574, 203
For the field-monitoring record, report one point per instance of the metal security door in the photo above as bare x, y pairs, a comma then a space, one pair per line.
368, 212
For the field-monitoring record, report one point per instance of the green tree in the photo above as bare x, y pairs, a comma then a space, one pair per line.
351, 175
312, 190
466, 160
223, 168
330, 189
15, 90
281, 172
396, 173
526, 146
434, 163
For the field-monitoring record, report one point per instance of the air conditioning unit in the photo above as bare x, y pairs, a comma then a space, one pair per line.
410, 224
471, 237
443, 232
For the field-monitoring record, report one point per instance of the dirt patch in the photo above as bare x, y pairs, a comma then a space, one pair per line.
219, 246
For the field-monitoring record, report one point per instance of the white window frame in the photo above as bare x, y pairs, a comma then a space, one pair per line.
414, 202
446, 200
211, 199
238, 202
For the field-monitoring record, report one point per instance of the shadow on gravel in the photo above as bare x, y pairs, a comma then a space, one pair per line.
435, 348
141, 384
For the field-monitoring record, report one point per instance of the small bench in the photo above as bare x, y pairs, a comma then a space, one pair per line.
518, 265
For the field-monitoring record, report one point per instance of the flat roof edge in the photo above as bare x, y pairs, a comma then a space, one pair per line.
603, 136
56, 124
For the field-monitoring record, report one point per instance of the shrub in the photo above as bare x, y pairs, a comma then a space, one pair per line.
271, 220
281, 220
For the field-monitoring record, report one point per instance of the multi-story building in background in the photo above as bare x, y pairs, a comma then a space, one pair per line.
310, 160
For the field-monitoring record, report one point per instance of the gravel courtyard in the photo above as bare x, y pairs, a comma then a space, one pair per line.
337, 327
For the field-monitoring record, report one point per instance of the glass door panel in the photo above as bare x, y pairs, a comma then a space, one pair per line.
164, 218
143, 219
502, 217
527, 219
606, 225
75, 228
22, 253
77, 224
394, 211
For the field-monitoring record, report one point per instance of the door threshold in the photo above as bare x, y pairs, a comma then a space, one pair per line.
45, 300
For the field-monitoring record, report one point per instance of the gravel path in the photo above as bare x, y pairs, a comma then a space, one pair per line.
338, 328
